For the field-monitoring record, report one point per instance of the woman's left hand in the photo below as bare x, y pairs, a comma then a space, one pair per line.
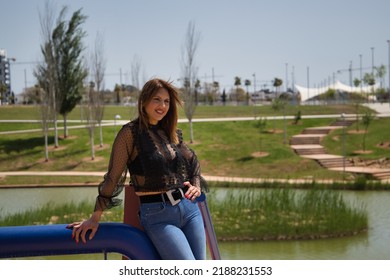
193, 192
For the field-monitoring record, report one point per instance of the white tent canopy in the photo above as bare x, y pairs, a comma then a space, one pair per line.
307, 93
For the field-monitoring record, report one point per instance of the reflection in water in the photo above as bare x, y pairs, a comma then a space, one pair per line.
20, 200
373, 245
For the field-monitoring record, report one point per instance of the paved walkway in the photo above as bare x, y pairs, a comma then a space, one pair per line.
383, 109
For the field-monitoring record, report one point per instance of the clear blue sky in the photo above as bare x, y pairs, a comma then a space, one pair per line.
238, 37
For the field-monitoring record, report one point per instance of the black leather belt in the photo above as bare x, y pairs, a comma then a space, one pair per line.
173, 196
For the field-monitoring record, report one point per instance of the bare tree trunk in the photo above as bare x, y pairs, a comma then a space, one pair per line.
189, 70
284, 125
136, 66
46, 147
92, 144
91, 114
191, 132
65, 126
101, 134
98, 68
55, 131
45, 116
45, 113
45, 71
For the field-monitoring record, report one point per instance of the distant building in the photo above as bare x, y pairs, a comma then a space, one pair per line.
309, 93
5, 78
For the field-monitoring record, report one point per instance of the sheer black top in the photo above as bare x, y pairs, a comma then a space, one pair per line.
154, 163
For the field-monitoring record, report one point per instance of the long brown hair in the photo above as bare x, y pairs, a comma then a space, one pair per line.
169, 122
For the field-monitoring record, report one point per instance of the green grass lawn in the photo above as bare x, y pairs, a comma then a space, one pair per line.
228, 148
30, 112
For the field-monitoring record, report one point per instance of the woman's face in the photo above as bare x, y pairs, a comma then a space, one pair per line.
158, 106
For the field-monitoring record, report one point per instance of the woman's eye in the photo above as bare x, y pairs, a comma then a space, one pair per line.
159, 101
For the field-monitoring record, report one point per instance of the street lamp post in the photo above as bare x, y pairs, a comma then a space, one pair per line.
116, 117
254, 82
255, 97
343, 144
293, 84
286, 77
350, 74
308, 84
388, 41
361, 75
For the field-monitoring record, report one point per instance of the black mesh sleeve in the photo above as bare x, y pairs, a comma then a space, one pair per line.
114, 180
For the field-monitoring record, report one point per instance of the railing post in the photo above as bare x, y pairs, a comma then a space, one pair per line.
131, 208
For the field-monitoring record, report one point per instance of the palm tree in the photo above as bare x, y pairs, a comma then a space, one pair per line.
223, 97
117, 91
247, 84
277, 83
237, 83
356, 82
369, 79
380, 73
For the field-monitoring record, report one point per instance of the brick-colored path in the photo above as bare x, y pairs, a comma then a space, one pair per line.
308, 145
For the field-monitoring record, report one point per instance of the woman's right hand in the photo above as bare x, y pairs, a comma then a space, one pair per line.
80, 229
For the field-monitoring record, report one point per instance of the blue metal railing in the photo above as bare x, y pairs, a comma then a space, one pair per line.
47, 240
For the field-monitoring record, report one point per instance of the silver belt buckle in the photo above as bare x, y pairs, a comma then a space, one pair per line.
170, 197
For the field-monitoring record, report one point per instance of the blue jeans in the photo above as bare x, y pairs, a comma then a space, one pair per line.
177, 231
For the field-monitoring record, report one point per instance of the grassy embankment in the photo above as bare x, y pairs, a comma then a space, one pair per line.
280, 214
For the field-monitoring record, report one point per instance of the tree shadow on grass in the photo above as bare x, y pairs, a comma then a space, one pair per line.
22, 145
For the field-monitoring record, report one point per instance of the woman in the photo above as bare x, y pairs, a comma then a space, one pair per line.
165, 174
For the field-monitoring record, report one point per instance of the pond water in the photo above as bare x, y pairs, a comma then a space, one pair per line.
372, 245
